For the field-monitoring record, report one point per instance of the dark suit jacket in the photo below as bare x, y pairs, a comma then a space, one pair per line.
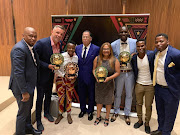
151, 64
44, 49
172, 74
85, 67
23, 69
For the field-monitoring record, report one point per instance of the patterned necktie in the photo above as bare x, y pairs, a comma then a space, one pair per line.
84, 54
155, 69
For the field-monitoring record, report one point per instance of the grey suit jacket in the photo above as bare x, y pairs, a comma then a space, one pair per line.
116, 46
23, 69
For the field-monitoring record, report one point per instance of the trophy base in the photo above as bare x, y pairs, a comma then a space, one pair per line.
101, 80
56, 67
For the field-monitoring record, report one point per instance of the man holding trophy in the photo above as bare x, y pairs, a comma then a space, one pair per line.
67, 75
122, 49
45, 48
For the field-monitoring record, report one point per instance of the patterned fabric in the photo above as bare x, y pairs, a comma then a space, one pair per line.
64, 90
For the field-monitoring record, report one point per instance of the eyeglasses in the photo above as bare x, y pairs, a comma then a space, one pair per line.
84, 37
106, 49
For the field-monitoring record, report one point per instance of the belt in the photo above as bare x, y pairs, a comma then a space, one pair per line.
162, 86
125, 71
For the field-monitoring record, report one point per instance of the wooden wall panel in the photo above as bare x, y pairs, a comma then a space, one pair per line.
37, 13
164, 18
6, 36
95, 6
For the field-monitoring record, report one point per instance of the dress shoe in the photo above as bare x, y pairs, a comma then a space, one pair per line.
90, 116
81, 114
147, 129
127, 120
137, 124
49, 117
36, 132
33, 131
40, 126
156, 132
114, 116
70, 121
59, 118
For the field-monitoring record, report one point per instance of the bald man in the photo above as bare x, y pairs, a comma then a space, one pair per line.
23, 79
126, 78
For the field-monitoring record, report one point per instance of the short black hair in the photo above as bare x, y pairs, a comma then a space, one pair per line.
162, 34
141, 39
88, 31
72, 42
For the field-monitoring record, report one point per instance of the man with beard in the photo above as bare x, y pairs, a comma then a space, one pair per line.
142, 64
126, 77
45, 48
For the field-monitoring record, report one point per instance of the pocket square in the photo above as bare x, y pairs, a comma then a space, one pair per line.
171, 64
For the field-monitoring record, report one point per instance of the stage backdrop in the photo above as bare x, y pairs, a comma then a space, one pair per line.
104, 28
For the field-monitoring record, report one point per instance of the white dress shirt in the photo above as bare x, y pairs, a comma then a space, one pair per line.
67, 59
87, 49
160, 68
31, 50
144, 76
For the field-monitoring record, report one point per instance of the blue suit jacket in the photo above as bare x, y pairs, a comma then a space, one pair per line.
116, 46
151, 62
85, 67
23, 69
44, 49
172, 74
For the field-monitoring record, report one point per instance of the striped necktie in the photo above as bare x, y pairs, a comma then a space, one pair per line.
155, 69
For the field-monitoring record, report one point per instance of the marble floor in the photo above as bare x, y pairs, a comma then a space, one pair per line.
80, 126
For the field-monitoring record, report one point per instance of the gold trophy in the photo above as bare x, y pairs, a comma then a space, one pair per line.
101, 73
124, 58
57, 59
71, 69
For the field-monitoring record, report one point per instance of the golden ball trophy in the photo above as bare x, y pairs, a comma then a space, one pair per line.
101, 73
57, 59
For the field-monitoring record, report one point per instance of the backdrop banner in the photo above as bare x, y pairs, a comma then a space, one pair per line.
104, 28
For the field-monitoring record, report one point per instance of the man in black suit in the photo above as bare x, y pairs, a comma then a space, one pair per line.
23, 79
45, 48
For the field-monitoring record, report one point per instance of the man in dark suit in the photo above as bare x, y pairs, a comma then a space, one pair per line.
86, 53
167, 84
142, 64
45, 48
23, 79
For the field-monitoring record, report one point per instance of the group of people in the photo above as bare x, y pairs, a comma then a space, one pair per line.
149, 72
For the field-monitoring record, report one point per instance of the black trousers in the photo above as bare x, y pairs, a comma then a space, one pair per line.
23, 120
41, 92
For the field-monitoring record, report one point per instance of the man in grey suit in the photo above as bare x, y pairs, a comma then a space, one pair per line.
23, 79
126, 77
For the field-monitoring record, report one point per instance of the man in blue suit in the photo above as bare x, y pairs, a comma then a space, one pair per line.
126, 77
45, 48
23, 79
166, 79
86, 53
142, 64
